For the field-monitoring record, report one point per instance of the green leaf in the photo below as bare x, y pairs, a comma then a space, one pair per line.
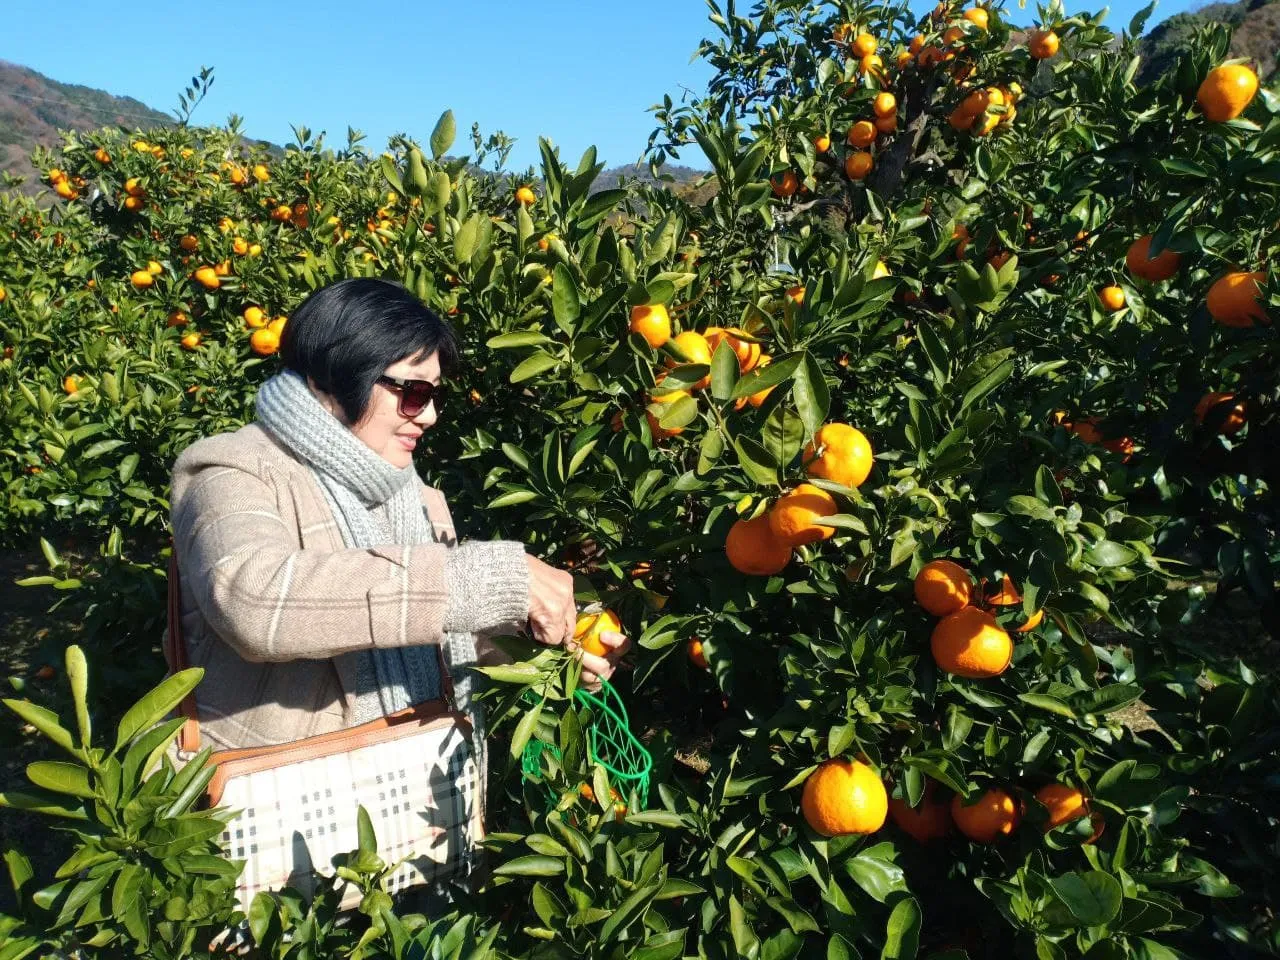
1107, 699
838, 948
942, 768
745, 941
128, 884
1045, 702
524, 729
598, 206
156, 703
673, 415
391, 174
662, 946
127, 466
531, 866
437, 198
174, 837
1144, 949
262, 915
46, 721
37, 803
902, 932
579, 456
626, 912
676, 887
465, 239
761, 378
724, 371
935, 352
1047, 489
71, 778
1093, 898
520, 338
1108, 553
799, 919
986, 385
547, 846
137, 759
877, 877
566, 304
660, 818
443, 134
839, 737
811, 394
78, 674
782, 435
1026, 506
533, 365
101, 447
21, 873
1138, 23
956, 727
756, 461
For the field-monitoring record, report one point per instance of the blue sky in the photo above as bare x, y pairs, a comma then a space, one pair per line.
576, 72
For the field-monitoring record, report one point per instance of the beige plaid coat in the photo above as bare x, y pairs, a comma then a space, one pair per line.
272, 599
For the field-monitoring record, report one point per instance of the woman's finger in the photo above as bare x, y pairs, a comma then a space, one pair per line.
569, 616
617, 643
595, 668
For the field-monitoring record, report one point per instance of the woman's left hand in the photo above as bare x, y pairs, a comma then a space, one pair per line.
594, 668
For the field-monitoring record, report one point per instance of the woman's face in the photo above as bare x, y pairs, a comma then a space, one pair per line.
382, 428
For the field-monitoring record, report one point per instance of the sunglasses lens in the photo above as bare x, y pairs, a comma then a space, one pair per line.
414, 398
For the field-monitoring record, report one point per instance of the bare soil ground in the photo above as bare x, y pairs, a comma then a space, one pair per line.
24, 624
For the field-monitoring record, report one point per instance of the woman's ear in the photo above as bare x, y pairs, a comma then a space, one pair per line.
325, 399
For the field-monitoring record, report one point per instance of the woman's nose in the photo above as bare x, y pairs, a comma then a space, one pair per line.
427, 417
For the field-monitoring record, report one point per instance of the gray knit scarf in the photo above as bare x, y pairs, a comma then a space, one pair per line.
374, 503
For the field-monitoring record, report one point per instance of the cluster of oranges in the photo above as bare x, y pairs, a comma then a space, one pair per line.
264, 331
979, 112
209, 276
845, 797
968, 641
762, 545
986, 108
265, 338
863, 134
653, 323
68, 188
1089, 429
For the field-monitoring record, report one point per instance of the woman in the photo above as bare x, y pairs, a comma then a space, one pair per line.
319, 573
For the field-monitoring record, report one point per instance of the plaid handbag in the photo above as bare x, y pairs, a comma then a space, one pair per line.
414, 772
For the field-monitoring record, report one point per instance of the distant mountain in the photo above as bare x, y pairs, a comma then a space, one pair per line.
33, 108
1255, 34
611, 176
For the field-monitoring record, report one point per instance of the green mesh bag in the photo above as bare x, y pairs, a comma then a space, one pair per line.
610, 743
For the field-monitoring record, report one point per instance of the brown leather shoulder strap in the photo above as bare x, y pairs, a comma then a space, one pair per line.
175, 654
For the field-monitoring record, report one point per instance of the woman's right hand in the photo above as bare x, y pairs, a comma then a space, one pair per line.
553, 614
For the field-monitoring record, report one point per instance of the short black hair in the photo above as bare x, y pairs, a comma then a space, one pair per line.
345, 335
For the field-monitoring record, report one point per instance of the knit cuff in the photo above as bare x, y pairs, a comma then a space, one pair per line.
488, 586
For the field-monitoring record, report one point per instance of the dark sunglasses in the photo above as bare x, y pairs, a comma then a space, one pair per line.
414, 394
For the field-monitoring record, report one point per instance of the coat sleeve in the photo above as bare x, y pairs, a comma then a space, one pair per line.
272, 600
488, 580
